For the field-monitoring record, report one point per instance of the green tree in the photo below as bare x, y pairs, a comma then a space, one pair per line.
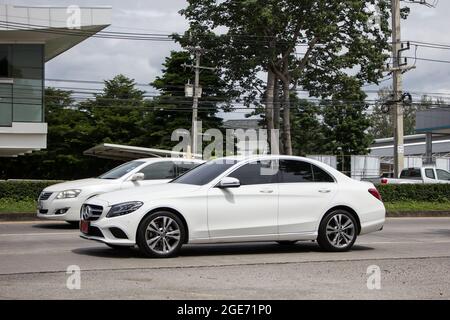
172, 110
335, 36
117, 112
345, 121
307, 133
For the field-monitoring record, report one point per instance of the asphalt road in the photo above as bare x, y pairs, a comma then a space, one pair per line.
413, 255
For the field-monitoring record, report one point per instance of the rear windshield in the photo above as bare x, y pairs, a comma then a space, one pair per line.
413, 174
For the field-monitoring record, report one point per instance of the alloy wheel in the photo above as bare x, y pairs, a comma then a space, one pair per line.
163, 235
340, 231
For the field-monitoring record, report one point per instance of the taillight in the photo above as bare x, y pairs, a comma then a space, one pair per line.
384, 181
375, 193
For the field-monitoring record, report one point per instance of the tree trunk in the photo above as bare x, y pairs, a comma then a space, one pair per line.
269, 107
276, 112
287, 142
276, 104
269, 100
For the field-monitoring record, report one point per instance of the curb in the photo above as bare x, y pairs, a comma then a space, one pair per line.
31, 216
417, 214
20, 216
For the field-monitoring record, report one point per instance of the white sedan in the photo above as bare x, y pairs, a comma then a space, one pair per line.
264, 198
63, 201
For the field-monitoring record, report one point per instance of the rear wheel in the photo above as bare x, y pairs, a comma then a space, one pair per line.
160, 235
337, 231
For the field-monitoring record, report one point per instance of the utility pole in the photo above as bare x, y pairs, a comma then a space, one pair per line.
196, 94
399, 149
398, 68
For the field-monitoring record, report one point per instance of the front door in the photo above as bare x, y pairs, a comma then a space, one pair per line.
249, 212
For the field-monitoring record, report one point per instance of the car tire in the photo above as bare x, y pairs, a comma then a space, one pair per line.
337, 231
287, 242
160, 235
75, 224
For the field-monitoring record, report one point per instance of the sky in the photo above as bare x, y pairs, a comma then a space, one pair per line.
99, 59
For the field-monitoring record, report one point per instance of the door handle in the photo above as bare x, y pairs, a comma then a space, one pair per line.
324, 190
266, 191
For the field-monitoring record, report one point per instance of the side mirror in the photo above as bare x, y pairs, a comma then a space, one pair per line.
229, 182
139, 176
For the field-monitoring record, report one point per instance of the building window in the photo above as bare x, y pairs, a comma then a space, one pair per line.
24, 63
4, 61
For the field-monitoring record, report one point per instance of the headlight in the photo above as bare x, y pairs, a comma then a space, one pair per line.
66, 194
124, 208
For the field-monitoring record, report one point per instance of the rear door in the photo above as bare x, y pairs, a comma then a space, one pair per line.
304, 193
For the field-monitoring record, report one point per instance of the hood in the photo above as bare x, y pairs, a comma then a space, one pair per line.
78, 184
148, 193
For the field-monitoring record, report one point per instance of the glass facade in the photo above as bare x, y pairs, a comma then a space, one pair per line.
21, 83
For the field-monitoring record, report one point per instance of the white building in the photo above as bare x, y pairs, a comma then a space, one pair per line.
29, 37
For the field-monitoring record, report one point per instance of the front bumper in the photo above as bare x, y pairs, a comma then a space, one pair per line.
120, 231
60, 209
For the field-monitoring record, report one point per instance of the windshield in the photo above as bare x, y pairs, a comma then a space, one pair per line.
121, 170
205, 173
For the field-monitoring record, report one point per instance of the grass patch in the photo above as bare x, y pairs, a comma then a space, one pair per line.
402, 206
17, 206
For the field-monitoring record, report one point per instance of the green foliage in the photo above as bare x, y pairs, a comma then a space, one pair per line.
173, 109
23, 190
307, 131
415, 192
8, 205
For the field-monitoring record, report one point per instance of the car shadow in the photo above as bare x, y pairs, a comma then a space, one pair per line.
215, 250
55, 226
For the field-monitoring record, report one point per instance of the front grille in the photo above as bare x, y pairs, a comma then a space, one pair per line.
90, 212
43, 211
45, 195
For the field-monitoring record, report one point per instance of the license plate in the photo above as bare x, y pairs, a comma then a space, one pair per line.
84, 226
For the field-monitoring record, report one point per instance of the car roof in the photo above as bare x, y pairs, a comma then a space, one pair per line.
148, 160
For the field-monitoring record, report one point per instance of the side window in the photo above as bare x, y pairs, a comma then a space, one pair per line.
259, 172
443, 175
159, 170
183, 167
320, 175
295, 171
429, 173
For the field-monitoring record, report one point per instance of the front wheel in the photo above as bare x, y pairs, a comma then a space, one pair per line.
337, 231
160, 235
